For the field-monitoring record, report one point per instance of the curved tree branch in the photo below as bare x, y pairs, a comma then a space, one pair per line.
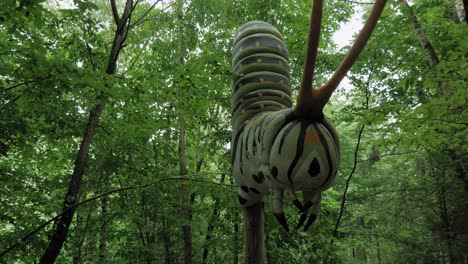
343, 200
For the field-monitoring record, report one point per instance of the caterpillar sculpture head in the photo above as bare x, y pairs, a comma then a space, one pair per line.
276, 148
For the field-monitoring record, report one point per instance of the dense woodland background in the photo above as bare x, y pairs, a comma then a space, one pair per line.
147, 88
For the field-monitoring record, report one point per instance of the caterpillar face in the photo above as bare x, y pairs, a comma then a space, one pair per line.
304, 156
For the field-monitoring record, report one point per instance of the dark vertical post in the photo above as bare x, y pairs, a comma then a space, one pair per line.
254, 234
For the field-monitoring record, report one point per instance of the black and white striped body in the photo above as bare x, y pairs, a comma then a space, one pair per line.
273, 149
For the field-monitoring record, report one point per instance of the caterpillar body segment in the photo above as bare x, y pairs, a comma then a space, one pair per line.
274, 150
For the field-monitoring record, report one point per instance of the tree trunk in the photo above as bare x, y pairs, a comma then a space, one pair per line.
103, 231
185, 211
446, 227
254, 234
236, 239
433, 60
90, 249
209, 231
167, 246
461, 11
420, 35
62, 225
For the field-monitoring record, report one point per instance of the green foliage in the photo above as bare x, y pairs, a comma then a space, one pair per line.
406, 201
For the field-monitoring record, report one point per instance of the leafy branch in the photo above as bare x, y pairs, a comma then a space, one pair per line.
125, 188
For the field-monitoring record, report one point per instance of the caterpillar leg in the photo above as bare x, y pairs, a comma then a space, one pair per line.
248, 196
276, 199
295, 201
312, 201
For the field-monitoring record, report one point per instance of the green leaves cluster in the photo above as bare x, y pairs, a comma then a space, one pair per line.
405, 201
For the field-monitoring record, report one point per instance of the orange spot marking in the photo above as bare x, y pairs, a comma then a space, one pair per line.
280, 62
312, 136
259, 60
247, 154
280, 48
283, 107
262, 106
260, 94
262, 80
241, 100
257, 43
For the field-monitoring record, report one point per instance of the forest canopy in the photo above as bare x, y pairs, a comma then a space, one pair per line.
115, 132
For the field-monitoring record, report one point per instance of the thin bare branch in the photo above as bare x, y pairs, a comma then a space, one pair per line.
358, 3
343, 201
127, 12
115, 13
141, 19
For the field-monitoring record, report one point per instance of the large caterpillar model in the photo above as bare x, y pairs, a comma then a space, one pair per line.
275, 148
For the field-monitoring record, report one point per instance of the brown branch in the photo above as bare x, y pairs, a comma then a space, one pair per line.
115, 13
327, 90
28, 82
140, 20
343, 201
386, 191
305, 91
359, 3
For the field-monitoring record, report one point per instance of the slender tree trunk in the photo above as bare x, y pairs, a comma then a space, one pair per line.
254, 234
90, 249
236, 239
185, 211
461, 11
78, 246
446, 227
103, 231
167, 246
209, 231
62, 225
379, 258
420, 35
433, 60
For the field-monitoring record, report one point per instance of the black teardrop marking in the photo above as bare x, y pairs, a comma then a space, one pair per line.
314, 168
241, 200
261, 175
274, 171
254, 190
327, 152
311, 220
282, 220
259, 179
245, 189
